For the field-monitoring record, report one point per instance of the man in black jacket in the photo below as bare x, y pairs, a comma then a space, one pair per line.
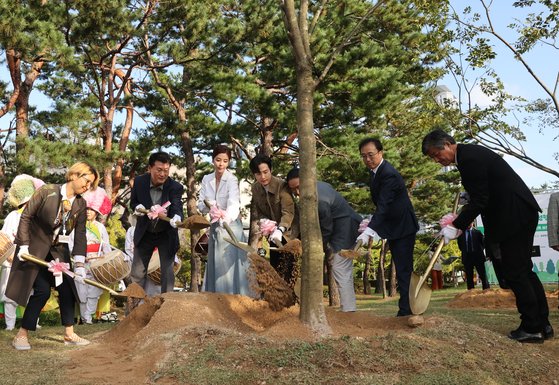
394, 218
159, 193
510, 215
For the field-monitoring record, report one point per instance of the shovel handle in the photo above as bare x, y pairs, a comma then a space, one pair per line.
31, 258
358, 245
225, 225
436, 253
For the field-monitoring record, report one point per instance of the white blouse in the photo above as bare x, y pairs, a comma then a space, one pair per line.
227, 195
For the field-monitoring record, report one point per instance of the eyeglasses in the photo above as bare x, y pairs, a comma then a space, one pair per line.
369, 155
87, 181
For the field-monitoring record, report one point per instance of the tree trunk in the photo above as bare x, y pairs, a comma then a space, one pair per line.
393, 290
312, 308
366, 270
382, 275
195, 262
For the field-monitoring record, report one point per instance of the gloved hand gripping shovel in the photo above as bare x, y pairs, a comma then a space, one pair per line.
232, 238
420, 291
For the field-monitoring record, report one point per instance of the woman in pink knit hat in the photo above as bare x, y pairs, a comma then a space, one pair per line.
98, 203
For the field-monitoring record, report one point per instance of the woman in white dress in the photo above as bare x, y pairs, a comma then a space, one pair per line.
226, 270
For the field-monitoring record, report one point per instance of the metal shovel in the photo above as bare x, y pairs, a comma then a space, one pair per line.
420, 291
232, 238
352, 253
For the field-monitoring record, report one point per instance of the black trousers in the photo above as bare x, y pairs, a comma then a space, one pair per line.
142, 255
477, 261
41, 294
402, 257
516, 258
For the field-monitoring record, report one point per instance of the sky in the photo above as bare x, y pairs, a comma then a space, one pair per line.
540, 145
545, 61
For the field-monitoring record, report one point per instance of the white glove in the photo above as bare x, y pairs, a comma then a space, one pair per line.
276, 237
367, 235
137, 211
449, 233
174, 220
24, 249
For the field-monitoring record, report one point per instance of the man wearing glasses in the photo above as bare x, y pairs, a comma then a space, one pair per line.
162, 195
394, 218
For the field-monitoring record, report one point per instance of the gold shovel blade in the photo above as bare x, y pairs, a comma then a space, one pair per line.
419, 296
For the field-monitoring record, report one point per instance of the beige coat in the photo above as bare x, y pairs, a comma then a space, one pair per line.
276, 204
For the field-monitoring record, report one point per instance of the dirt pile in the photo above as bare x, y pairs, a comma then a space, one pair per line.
492, 299
133, 348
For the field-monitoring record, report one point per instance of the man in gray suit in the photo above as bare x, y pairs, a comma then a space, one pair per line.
339, 226
553, 221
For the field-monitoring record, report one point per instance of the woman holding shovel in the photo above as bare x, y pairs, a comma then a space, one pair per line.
226, 271
46, 222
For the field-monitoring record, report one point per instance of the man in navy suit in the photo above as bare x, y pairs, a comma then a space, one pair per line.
162, 195
394, 218
510, 215
472, 247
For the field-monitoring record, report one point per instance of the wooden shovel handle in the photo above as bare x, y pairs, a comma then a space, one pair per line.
31, 258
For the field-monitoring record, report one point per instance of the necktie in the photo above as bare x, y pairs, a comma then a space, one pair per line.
470, 244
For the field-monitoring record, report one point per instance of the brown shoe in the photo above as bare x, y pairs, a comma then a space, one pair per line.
21, 343
76, 340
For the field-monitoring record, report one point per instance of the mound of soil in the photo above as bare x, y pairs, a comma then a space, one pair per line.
492, 299
132, 348
132, 351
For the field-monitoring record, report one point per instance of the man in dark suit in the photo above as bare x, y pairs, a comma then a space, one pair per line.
471, 245
162, 195
339, 225
394, 218
510, 215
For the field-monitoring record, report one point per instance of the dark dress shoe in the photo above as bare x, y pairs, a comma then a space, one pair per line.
548, 332
521, 335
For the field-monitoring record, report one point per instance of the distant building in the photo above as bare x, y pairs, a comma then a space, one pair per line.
445, 97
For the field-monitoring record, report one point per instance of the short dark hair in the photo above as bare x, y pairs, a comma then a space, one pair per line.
436, 139
292, 174
221, 149
160, 156
257, 161
375, 141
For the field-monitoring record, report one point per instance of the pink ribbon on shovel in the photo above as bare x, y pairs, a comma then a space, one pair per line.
363, 225
157, 209
216, 213
267, 226
447, 219
57, 268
